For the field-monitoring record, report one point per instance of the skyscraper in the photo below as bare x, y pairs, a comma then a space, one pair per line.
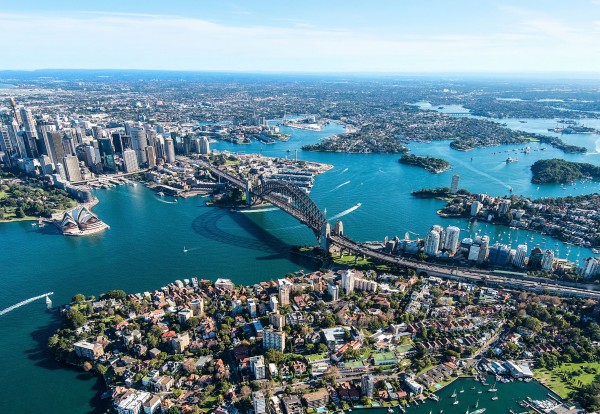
348, 281
432, 242
139, 143
130, 162
27, 122
107, 154
71, 164
273, 339
150, 156
204, 146
454, 185
169, 150
452, 239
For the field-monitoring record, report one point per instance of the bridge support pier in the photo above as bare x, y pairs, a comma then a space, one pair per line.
324, 237
248, 193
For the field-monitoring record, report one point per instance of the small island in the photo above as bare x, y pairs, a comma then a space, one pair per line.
431, 164
557, 171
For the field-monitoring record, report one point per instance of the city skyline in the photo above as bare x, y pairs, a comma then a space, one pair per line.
504, 37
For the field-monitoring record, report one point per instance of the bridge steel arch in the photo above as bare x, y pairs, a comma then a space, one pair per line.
293, 200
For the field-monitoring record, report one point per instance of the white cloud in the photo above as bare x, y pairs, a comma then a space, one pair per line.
143, 41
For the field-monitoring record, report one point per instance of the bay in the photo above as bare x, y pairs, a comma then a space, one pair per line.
143, 249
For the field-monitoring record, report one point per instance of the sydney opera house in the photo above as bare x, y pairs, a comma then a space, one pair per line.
80, 222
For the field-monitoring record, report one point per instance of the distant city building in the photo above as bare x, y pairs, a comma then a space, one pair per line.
71, 165
274, 303
433, 241
535, 259
151, 156
169, 150
454, 185
204, 146
130, 161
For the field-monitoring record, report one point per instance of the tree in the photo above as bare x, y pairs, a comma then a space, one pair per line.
331, 374
116, 294
78, 298
588, 396
75, 319
102, 369
19, 213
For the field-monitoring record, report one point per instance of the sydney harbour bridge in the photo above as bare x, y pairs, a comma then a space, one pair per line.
294, 201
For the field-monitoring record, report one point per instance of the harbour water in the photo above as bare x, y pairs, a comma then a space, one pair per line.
509, 395
144, 247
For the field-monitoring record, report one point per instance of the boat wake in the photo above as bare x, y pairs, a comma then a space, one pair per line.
24, 302
346, 212
167, 202
344, 170
258, 210
341, 185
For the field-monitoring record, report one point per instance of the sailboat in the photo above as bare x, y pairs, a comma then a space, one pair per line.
479, 392
462, 390
495, 397
477, 403
185, 250
454, 394
455, 401
493, 389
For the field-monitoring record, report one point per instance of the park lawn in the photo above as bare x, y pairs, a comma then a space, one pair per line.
553, 380
349, 261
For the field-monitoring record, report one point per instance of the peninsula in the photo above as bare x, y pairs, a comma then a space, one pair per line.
431, 164
559, 171
324, 339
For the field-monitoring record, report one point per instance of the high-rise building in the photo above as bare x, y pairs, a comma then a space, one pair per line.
454, 185
252, 307
535, 259
60, 170
107, 155
257, 367
432, 242
130, 162
170, 151
277, 320
452, 239
484, 250
150, 156
547, 260
520, 255
348, 281
274, 303
197, 306
367, 385
334, 292
285, 288
592, 267
71, 164
273, 339
139, 143
475, 208
204, 146
28, 122
91, 155
259, 402
504, 207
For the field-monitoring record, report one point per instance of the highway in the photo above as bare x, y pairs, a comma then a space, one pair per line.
533, 284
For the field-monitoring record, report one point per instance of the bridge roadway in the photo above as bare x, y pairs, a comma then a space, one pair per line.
270, 198
533, 284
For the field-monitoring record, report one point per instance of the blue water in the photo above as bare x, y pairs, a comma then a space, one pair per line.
143, 248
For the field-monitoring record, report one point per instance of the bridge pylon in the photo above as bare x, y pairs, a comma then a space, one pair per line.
324, 237
248, 192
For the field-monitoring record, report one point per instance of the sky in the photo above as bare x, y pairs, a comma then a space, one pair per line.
371, 36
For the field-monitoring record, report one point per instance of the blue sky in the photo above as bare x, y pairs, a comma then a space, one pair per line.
304, 36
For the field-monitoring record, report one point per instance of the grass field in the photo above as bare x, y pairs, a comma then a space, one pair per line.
352, 261
560, 380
